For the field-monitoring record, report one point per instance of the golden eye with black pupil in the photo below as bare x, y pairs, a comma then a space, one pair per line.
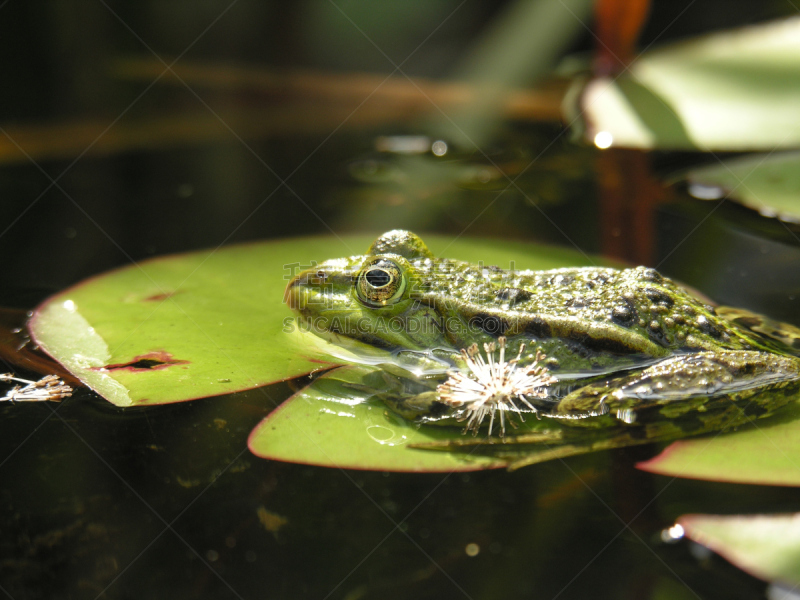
380, 282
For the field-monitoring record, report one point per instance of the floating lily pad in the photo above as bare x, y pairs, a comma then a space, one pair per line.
763, 453
331, 423
737, 90
766, 546
213, 322
768, 184
181, 327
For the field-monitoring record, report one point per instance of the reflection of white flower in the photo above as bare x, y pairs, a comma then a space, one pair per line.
495, 386
47, 388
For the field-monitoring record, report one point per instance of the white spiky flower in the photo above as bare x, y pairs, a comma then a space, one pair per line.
494, 387
49, 387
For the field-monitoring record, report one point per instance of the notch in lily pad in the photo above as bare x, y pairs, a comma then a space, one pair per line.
158, 359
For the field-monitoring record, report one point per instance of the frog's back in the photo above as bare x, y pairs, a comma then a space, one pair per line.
619, 310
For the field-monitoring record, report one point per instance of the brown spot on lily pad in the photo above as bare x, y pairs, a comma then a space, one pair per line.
320, 362
159, 297
152, 361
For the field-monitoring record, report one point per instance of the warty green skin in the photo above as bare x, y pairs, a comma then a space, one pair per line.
628, 346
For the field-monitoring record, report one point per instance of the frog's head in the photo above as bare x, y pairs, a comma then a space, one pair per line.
373, 298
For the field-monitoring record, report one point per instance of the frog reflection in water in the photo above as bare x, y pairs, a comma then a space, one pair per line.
634, 356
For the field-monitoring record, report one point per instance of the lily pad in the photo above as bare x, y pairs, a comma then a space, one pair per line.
329, 423
180, 327
764, 453
766, 546
737, 90
770, 185
213, 322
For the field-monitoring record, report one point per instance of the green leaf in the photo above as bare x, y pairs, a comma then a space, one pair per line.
330, 424
770, 185
766, 546
212, 322
181, 327
764, 453
737, 90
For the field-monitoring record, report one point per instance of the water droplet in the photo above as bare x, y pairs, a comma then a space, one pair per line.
603, 140
627, 415
672, 534
472, 549
379, 433
385, 436
706, 192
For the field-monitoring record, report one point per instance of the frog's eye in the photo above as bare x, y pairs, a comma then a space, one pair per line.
380, 282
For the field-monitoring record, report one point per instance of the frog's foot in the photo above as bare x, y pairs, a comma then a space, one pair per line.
689, 393
494, 387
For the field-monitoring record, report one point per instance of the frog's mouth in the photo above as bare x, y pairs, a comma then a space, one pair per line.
313, 290
292, 294
298, 292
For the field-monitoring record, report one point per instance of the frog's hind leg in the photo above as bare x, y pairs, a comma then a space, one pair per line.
699, 392
680, 396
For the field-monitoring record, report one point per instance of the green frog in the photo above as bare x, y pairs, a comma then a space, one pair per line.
611, 356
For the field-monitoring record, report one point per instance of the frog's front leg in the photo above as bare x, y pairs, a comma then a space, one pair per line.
688, 393
411, 396
417, 408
